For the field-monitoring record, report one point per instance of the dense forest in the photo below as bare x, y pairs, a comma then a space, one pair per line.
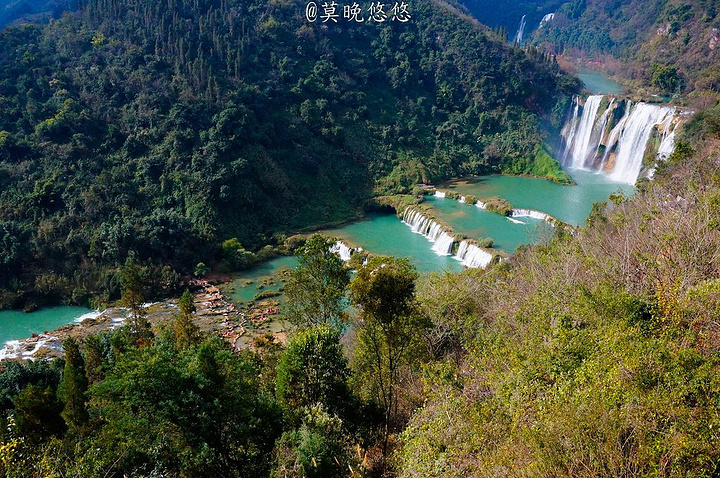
157, 131
593, 354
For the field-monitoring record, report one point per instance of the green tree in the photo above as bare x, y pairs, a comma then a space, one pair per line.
316, 291
94, 358
388, 330
313, 370
37, 412
73, 386
186, 332
133, 289
320, 447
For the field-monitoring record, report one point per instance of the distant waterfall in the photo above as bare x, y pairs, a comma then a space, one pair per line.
473, 256
431, 229
546, 19
521, 31
439, 194
619, 152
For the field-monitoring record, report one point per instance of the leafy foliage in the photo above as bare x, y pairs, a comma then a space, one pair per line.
160, 132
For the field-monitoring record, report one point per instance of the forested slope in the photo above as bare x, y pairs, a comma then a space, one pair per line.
593, 355
160, 129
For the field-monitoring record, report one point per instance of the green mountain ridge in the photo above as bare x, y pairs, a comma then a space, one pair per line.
157, 131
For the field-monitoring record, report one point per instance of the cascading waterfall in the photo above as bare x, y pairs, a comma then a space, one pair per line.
618, 153
579, 140
546, 19
342, 250
468, 253
615, 134
472, 256
521, 31
439, 194
531, 213
633, 140
481, 205
462, 199
432, 230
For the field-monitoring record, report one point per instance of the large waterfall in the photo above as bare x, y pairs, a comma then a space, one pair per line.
617, 140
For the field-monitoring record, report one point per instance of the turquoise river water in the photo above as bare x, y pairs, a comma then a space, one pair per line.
385, 234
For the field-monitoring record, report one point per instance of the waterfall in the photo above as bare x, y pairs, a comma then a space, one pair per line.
472, 256
462, 198
342, 250
444, 244
634, 138
625, 146
481, 205
521, 30
439, 194
579, 140
546, 19
530, 213
615, 133
432, 230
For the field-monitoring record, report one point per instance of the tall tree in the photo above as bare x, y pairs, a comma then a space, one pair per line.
185, 331
389, 327
73, 387
133, 290
313, 370
316, 291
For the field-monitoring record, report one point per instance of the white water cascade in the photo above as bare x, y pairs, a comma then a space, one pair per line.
472, 256
579, 144
342, 250
619, 152
546, 19
439, 194
431, 229
633, 140
531, 213
521, 31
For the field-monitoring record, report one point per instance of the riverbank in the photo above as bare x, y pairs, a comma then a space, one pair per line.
214, 314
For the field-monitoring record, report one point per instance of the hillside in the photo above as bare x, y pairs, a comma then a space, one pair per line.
666, 46
593, 355
137, 129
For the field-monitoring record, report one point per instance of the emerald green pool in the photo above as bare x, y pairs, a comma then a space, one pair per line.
16, 324
571, 204
475, 223
599, 84
386, 235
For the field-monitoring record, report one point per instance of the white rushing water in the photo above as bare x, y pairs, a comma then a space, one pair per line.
531, 213
439, 194
342, 250
481, 205
546, 19
520, 32
432, 230
626, 144
633, 140
25, 349
579, 140
472, 256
